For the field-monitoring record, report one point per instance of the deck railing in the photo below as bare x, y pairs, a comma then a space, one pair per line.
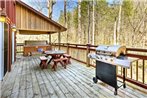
137, 73
19, 48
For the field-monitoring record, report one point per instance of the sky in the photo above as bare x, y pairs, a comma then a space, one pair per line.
60, 6
57, 7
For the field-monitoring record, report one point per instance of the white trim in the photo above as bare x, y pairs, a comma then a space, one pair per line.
1, 50
13, 41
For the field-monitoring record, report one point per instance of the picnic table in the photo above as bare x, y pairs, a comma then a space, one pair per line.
56, 58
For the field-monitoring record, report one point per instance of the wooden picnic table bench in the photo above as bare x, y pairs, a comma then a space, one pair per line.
43, 63
68, 58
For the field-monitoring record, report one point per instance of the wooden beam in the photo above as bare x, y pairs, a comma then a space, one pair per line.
34, 31
59, 39
50, 40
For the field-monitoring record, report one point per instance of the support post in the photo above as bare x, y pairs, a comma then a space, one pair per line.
59, 39
13, 46
1, 50
67, 48
50, 38
88, 59
9, 49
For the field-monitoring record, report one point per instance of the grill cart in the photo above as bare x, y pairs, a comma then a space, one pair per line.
107, 59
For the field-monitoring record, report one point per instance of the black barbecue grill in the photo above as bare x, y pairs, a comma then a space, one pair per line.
107, 57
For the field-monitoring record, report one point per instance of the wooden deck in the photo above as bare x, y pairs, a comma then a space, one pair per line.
28, 80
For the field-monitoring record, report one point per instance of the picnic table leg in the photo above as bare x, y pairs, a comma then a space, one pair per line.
61, 63
43, 64
64, 63
50, 60
54, 66
40, 63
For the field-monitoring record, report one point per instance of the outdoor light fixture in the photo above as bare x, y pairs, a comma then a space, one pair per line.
3, 15
2, 19
13, 27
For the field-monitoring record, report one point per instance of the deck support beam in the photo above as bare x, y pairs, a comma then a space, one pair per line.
50, 38
59, 39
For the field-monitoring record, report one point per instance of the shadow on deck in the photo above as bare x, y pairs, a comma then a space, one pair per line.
28, 80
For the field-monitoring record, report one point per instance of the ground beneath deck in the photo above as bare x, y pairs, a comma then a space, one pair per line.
28, 80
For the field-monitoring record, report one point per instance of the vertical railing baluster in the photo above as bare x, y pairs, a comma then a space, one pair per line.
121, 71
131, 70
19, 48
143, 70
87, 59
137, 70
126, 72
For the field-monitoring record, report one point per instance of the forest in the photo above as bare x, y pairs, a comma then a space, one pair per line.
97, 22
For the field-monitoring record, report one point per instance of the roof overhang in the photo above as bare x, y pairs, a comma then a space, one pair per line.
35, 32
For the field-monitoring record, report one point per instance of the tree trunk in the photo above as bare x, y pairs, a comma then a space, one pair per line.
50, 7
118, 24
115, 33
65, 19
93, 23
79, 20
89, 24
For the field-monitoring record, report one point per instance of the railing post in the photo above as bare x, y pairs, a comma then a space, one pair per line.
88, 59
67, 48
143, 71
137, 70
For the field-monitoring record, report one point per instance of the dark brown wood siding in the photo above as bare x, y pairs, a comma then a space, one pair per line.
9, 7
10, 10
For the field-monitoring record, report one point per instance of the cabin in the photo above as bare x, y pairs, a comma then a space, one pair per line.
67, 72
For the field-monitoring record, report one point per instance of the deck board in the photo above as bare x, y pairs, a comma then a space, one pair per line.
28, 80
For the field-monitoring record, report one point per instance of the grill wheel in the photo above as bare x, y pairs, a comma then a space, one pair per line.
95, 80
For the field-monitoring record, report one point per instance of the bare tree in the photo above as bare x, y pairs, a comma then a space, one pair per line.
65, 19
115, 33
39, 4
50, 7
79, 20
89, 22
65, 16
119, 22
137, 22
93, 22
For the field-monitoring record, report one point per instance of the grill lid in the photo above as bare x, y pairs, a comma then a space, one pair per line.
113, 50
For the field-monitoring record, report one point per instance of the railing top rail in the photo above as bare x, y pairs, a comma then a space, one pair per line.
137, 49
19, 44
129, 49
78, 45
